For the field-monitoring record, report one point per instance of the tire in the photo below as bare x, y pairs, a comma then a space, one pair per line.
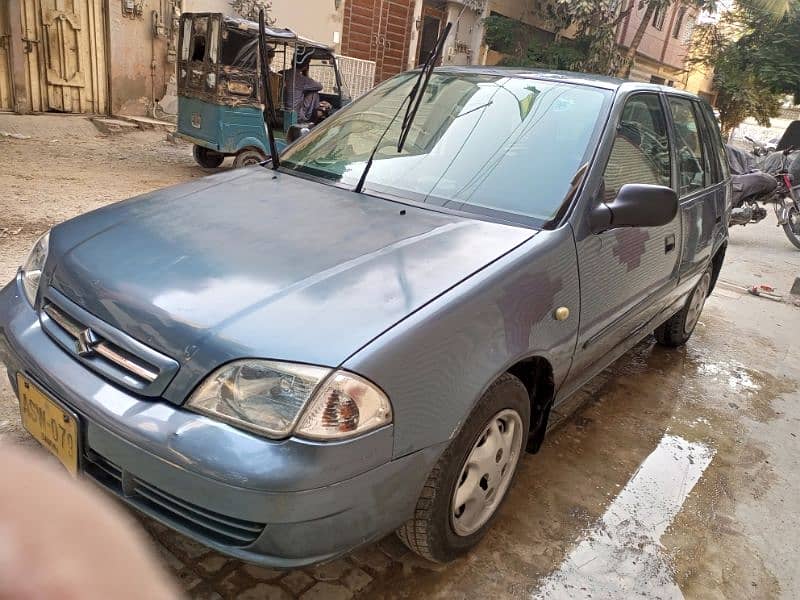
437, 531
792, 227
208, 159
248, 158
679, 328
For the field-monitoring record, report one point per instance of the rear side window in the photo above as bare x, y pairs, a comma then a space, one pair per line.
719, 145
641, 152
693, 165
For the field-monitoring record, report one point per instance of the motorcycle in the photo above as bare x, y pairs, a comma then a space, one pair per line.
774, 185
770, 179
760, 149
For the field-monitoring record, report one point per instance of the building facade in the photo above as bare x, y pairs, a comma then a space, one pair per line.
118, 56
114, 56
662, 52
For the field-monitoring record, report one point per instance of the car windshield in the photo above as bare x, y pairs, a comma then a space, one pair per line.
500, 145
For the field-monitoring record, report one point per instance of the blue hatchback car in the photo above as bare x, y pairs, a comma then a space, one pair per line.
284, 368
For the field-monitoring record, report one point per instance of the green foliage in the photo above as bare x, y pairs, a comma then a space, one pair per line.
249, 9
756, 60
592, 50
505, 35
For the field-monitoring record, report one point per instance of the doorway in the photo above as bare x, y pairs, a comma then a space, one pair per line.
378, 30
6, 101
431, 24
64, 49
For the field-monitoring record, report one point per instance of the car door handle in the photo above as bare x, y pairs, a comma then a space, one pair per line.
669, 243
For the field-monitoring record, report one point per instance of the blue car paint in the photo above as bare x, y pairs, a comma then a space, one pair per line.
203, 301
430, 305
306, 485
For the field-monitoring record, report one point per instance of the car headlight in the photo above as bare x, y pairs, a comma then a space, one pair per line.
276, 399
33, 266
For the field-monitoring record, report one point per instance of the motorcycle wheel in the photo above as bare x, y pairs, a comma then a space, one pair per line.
792, 227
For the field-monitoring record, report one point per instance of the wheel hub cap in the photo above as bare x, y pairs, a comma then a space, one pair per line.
696, 303
486, 473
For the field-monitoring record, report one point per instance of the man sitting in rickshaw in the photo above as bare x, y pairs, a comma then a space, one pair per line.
301, 93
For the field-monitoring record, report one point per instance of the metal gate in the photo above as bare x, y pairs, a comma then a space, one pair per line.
64, 45
6, 102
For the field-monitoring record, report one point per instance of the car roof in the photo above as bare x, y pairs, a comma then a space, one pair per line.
600, 81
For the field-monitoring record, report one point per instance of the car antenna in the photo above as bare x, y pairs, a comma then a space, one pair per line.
269, 106
413, 99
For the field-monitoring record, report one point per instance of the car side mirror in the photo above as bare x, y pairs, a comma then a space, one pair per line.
636, 205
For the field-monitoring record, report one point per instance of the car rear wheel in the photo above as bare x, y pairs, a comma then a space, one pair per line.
679, 328
464, 490
208, 159
247, 158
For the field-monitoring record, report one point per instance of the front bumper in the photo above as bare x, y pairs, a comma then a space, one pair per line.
277, 503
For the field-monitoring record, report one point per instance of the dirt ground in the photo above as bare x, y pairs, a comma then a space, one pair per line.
672, 475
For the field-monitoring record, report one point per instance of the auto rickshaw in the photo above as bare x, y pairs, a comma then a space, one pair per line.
221, 97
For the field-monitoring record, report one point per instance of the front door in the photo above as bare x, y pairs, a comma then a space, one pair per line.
627, 273
6, 102
64, 44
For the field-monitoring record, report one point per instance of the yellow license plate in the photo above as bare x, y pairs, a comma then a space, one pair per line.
52, 426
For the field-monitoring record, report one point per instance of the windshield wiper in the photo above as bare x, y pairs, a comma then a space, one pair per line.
419, 88
266, 85
413, 99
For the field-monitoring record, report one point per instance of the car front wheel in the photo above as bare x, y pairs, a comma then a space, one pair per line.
465, 489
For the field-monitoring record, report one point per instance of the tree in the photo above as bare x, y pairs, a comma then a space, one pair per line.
595, 23
651, 8
756, 60
249, 9
774, 9
592, 48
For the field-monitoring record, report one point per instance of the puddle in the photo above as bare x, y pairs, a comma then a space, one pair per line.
622, 555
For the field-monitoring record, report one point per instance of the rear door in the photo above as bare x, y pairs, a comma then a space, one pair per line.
700, 186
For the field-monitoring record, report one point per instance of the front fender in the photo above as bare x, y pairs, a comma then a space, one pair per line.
251, 142
435, 364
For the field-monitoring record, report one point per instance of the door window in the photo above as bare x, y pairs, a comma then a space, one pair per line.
186, 38
692, 162
213, 42
199, 46
719, 147
641, 152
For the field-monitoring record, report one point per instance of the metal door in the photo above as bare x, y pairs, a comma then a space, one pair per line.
392, 38
378, 30
66, 55
6, 102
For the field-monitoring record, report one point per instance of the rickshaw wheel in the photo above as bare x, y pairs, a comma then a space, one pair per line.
208, 159
247, 158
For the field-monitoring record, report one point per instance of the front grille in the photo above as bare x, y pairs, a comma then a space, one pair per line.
108, 351
104, 348
149, 499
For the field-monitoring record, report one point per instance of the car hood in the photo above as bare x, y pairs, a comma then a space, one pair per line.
257, 263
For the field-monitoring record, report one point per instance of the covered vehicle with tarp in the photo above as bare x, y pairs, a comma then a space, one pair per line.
222, 92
